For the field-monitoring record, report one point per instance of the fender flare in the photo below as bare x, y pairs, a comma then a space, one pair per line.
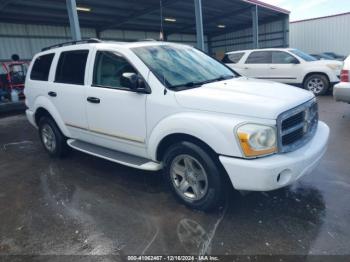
192, 125
43, 102
315, 71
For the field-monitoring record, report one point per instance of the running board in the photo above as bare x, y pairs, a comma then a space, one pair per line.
115, 156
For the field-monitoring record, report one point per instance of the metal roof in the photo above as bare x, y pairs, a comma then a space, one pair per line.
320, 18
142, 15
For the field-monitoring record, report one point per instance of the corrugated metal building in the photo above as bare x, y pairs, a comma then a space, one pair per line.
324, 34
270, 35
28, 26
27, 40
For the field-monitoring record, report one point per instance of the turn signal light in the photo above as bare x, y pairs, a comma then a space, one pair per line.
344, 76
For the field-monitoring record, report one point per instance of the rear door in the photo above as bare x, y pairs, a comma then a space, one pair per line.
67, 91
258, 64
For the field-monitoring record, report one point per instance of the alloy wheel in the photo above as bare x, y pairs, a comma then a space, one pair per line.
48, 137
316, 85
189, 177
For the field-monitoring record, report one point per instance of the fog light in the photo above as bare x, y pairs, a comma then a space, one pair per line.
284, 177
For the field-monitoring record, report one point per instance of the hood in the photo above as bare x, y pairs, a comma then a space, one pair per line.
334, 65
244, 96
327, 62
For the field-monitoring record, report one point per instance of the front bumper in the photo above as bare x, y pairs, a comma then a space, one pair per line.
280, 170
341, 92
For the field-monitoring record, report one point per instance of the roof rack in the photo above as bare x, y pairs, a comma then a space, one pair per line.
84, 41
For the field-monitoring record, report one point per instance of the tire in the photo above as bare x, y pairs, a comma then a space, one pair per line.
194, 176
317, 83
51, 137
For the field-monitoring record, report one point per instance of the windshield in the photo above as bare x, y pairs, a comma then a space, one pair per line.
304, 56
181, 67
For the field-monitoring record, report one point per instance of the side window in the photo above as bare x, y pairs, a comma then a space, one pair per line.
41, 67
259, 57
232, 58
71, 67
109, 68
279, 57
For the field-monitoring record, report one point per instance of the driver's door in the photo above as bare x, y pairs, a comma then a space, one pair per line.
285, 68
116, 115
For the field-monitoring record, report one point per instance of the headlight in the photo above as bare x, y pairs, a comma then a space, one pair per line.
257, 140
334, 67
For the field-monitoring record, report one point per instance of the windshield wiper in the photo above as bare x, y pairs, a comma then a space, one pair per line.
190, 84
198, 84
220, 78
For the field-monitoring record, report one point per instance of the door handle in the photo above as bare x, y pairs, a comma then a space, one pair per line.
272, 67
51, 93
94, 100
246, 67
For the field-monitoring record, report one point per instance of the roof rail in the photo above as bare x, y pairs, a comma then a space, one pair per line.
84, 41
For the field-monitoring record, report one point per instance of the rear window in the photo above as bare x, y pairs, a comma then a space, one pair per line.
232, 58
71, 67
259, 57
41, 67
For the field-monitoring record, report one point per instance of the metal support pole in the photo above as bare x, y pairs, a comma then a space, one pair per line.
286, 31
255, 21
73, 19
210, 46
199, 24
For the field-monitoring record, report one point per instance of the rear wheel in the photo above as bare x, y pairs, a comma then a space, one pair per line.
193, 176
317, 83
51, 137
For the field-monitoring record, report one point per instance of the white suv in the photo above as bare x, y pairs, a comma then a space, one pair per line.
289, 66
155, 105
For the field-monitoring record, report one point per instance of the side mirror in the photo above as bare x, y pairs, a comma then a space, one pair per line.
134, 82
295, 61
292, 60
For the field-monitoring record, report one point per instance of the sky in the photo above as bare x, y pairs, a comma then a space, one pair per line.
305, 9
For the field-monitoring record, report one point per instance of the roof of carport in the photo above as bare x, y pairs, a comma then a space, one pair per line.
142, 15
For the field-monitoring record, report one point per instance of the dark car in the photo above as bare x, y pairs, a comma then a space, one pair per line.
335, 56
323, 57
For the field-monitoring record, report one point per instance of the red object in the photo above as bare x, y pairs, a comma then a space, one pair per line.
14, 76
345, 76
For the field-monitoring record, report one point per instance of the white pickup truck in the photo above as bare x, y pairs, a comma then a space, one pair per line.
154, 105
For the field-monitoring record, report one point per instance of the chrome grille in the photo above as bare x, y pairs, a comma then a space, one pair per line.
297, 126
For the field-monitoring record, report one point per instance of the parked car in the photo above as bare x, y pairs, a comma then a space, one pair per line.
322, 57
155, 105
341, 91
289, 66
335, 56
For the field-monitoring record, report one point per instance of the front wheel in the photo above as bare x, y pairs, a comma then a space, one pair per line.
317, 83
193, 176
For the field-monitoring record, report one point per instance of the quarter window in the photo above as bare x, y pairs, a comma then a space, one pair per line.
259, 57
109, 68
71, 67
232, 58
41, 67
